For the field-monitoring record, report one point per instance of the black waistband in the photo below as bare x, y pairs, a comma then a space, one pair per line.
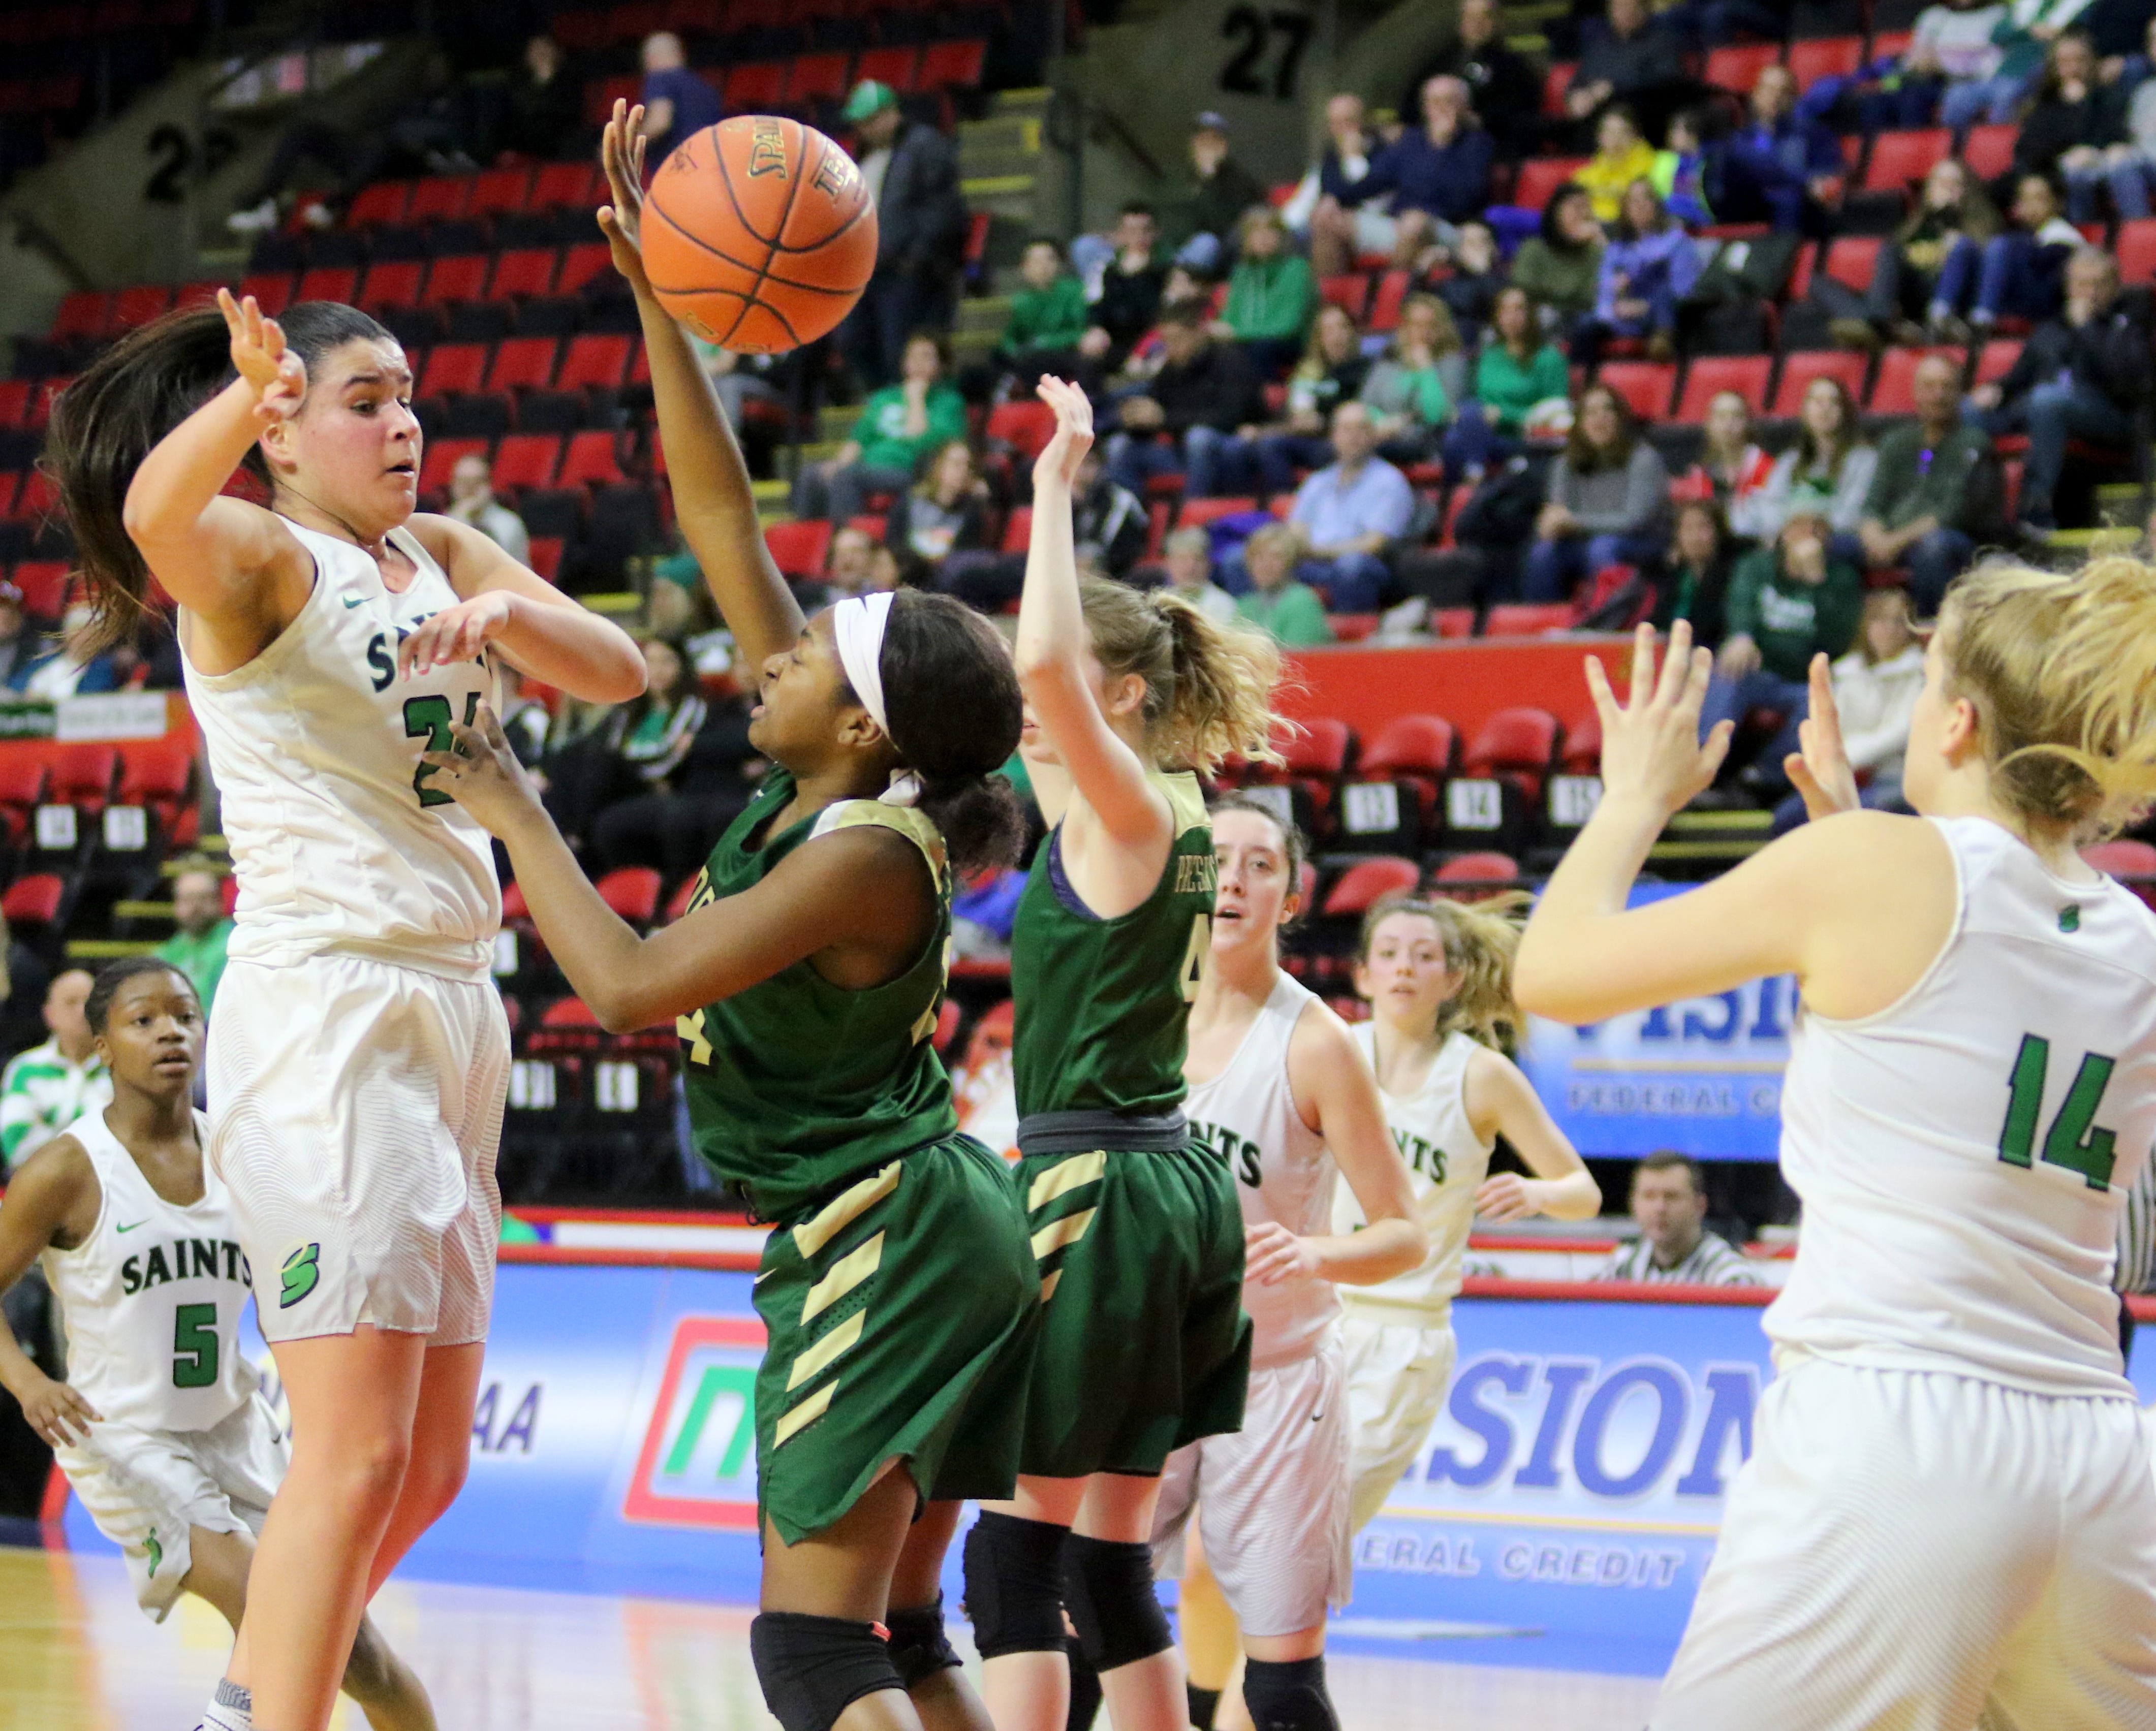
1081, 1133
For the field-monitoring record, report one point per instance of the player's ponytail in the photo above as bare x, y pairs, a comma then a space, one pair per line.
129, 399
1481, 940
2062, 670
1209, 686
952, 696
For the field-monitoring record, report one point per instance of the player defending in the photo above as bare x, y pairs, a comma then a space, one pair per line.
159, 1426
1948, 1514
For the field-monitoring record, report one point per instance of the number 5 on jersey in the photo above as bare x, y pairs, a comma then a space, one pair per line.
2074, 1141
428, 718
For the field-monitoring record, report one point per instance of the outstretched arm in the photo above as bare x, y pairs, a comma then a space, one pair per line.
1501, 1101
53, 1196
712, 495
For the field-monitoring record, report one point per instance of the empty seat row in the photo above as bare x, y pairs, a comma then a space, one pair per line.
809, 81
1775, 385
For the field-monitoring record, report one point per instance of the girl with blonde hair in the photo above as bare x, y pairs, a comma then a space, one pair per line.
1437, 978
1948, 1513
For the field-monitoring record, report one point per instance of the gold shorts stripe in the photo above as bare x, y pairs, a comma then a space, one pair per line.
805, 1414
1049, 1286
1065, 1176
848, 1271
826, 1351
842, 1209
1056, 1233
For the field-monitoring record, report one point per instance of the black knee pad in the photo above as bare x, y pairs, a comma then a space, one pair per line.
1085, 1689
1014, 1585
1289, 1697
813, 1668
1109, 1589
918, 1648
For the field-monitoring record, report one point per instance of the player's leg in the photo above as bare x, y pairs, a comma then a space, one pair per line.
353, 1399
932, 1672
1211, 1642
440, 1455
1015, 1595
1396, 1382
1108, 1586
389, 1694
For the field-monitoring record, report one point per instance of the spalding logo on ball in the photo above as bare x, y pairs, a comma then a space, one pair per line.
758, 234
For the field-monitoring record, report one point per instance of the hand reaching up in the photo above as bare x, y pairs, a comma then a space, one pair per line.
1820, 770
277, 374
1058, 462
621, 153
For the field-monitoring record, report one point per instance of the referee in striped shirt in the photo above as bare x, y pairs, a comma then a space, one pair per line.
1669, 1203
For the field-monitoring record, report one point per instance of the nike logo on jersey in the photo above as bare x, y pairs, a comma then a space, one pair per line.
353, 601
127, 1229
301, 1273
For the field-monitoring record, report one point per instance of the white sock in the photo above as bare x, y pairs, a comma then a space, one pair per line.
232, 1708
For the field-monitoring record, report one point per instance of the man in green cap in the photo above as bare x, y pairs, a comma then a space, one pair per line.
912, 174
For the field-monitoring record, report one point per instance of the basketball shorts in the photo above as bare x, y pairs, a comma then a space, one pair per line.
357, 1111
1144, 1346
902, 1315
1929, 1552
145, 1489
1272, 1499
1398, 1373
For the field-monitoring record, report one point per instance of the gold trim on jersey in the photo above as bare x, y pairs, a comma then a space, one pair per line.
917, 827
811, 1235
1059, 1234
848, 1271
1065, 1176
827, 1351
803, 1415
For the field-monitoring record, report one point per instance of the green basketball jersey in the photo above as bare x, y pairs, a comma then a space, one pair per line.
1104, 1005
797, 1086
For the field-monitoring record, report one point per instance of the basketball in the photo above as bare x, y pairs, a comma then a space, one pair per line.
758, 234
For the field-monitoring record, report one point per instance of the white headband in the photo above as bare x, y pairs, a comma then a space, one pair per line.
858, 625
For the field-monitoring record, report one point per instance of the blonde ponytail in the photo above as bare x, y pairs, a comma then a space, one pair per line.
2061, 669
1481, 939
1209, 686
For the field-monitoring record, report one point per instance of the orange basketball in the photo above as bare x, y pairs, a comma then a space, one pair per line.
758, 234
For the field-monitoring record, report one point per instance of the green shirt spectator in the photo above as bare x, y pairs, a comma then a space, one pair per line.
1050, 313
881, 434
47, 1088
1791, 620
1561, 268
1270, 291
197, 946
1921, 476
1293, 613
1507, 387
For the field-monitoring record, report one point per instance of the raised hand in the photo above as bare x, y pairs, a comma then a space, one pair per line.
277, 375
483, 776
456, 634
621, 153
1058, 461
1650, 744
1821, 769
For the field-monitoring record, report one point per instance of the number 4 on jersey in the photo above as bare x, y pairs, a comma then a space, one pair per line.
2074, 1141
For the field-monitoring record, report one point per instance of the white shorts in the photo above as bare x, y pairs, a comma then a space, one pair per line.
1928, 1552
357, 1110
1398, 1374
145, 1489
1271, 1500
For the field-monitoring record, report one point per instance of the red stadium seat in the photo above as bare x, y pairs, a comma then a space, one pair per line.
677, 904
523, 273
1891, 44
1316, 756
34, 900
568, 1013
1394, 287
1556, 82
1748, 375
380, 206
523, 363
500, 189
1582, 745
580, 264
952, 66
84, 312
593, 361
443, 455
44, 586
1800, 370
22, 790
139, 304
1988, 151
894, 66
462, 277
157, 775
1519, 744
2136, 251
1486, 867
82, 776
1197, 513
395, 283
1026, 424
1899, 160
1824, 57
1527, 618
1851, 258
590, 461
453, 367
328, 282
526, 460
1894, 392
1996, 359
545, 555
1018, 529
1420, 746
755, 86
1540, 177
570, 186
799, 548
17, 395
272, 294
633, 892
2122, 859
1646, 385
817, 77
1350, 293
1738, 67
601, 94
1369, 882
439, 198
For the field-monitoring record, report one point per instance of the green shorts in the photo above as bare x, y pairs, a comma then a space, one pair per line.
902, 1315
1144, 1347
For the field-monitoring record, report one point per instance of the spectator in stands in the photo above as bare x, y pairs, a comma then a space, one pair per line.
1876, 687
1733, 473
1787, 603
1131, 275
1502, 87
2072, 127
1950, 68
1953, 210
1204, 394
848, 568
1277, 600
1682, 169
472, 501
1695, 586
1621, 157
1608, 502
20, 646
1560, 268
674, 828
2083, 375
47, 1088
899, 426
1271, 293
2017, 273
1108, 521
201, 930
1648, 267
1470, 289
1338, 235
678, 104
2133, 162
1438, 175
1518, 369
1350, 514
1188, 555
1936, 493
1203, 217
65, 671
1331, 371
541, 109
741, 380
1780, 165
1047, 317
1412, 386
1826, 473
1674, 1247
945, 512
912, 171
892, 567
633, 747
1626, 57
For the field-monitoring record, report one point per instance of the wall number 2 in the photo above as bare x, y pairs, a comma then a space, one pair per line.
2074, 1141
428, 718
1255, 32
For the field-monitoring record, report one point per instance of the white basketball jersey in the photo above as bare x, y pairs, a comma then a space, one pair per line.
1446, 1164
1964, 1155
338, 839
152, 1298
1282, 1169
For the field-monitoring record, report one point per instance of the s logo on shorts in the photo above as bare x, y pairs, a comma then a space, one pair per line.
300, 1272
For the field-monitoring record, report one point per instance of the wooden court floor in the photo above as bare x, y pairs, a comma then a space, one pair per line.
75, 1655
